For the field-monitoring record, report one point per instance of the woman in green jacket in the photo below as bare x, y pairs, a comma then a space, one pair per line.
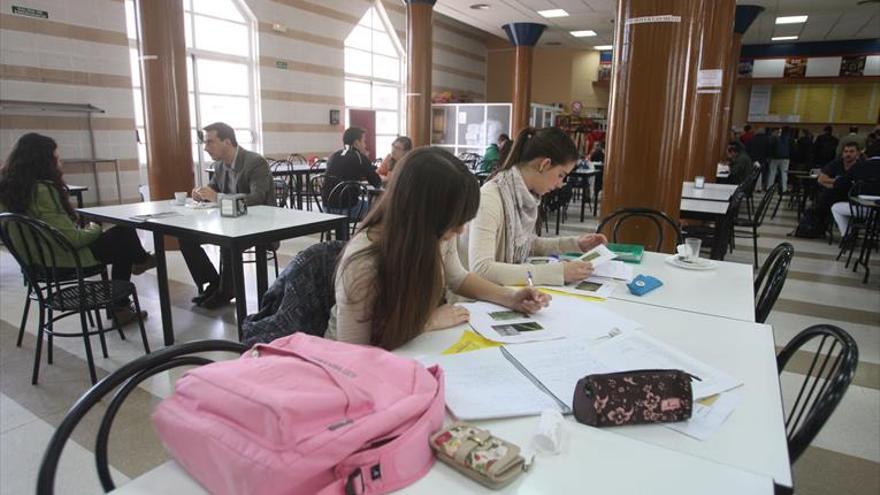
31, 184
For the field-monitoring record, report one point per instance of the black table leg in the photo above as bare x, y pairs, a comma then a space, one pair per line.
238, 281
584, 191
164, 297
299, 190
79, 199
262, 273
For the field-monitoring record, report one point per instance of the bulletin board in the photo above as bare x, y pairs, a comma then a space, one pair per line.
850, 103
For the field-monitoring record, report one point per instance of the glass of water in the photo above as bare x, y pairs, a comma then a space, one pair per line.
693, 245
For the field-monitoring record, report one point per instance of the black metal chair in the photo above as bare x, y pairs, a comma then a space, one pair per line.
282, 172
756, 220
124, 380
770, 280
350, 198
859, 220
832, 368
659, 219
554, 201
470, 159
37, 246
315, 186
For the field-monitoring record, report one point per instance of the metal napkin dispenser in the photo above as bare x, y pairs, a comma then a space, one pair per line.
232, 205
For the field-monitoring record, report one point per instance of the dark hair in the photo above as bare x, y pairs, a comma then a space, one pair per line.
853, 129
873, 149
549, 142
352, 134
828, 129
747, 128
403, 141
32, 160
734, 146
503, 137
851, 144
224, 132
430, 192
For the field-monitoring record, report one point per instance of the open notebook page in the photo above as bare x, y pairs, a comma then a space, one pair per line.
558, 364
484, 384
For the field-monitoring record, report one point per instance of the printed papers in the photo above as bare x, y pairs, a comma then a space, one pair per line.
598, 255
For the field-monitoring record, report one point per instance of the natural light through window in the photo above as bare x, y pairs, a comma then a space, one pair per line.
221, 76
373, 72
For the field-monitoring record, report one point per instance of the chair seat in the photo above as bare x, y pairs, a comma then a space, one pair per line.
66, 274
97, 294
743, 222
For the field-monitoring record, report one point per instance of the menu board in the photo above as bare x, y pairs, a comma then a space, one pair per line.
850, 103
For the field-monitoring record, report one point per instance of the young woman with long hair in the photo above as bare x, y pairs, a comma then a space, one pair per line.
31, 184
393, 275
399, 148
502, 236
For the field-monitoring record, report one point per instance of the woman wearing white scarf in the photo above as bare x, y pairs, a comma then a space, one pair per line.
502, 235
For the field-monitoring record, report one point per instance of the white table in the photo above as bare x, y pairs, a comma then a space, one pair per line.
262, 226
703, 207
725, 291
709, 192
743, 457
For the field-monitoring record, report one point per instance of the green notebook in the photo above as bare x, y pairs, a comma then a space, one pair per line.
630, 253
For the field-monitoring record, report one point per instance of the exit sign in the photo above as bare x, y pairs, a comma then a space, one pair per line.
29, 12
280, 64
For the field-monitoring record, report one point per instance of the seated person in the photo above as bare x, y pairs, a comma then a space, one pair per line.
492, 157
400, 147
391, 277
740, 163
867, 173
31, 184
502, 236
236, 171
598, 153
850, 156
351, 163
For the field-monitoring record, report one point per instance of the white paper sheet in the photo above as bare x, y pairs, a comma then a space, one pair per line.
638, 351
484, 384
706, 420
598, 255
593, 287
559, 364
614, 269
504, 325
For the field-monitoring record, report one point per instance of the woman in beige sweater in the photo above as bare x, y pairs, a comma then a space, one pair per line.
392, 276
502, 236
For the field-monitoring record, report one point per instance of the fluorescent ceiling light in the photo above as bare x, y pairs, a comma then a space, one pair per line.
480, 6
553, 13
603, 47
791, 19
783, 38
582, 34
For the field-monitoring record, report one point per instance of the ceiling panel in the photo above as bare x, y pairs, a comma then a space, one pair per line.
828, 19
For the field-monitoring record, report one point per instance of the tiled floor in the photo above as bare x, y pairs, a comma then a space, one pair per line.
845, 458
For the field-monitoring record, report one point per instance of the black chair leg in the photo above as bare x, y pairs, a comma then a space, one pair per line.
24, 315
275, 260
137, 308
39, 348
88, 343
101, 334
778, 202
50, 344
755, 237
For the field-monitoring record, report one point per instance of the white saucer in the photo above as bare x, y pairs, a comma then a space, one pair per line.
200, 205
698, 264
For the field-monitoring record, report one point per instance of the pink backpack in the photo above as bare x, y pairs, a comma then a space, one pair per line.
304, 415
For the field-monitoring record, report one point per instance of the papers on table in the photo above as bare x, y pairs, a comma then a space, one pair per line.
565, 317
150, 216
470, 341
598, 255
614, 269
603, 283
707, 418
634, 351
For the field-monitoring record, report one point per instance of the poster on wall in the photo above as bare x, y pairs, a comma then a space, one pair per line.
745, 68
604, 71
853, 66
795, 67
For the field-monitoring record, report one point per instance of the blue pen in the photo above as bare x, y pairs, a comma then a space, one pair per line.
531, 282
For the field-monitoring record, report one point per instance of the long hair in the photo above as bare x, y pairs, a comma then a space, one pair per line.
430, 193
549, 142
32, 160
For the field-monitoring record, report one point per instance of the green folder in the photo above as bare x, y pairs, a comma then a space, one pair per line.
630, 253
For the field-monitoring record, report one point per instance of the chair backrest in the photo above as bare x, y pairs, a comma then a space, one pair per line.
126, 379
771, 278
282, 191
38, 248
556, 199
658, 218
281, 167
350, 195
751, 181
858, 210
470, 159
764, 205
725, 229
297, 159
316, 185
832, 368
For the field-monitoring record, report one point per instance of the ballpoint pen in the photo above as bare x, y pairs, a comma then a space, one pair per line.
529, 279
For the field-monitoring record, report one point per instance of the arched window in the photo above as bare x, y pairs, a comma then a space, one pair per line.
221, 45
373, 73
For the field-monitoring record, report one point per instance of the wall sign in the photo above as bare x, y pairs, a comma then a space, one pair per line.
280, 64
29, 12
652, 19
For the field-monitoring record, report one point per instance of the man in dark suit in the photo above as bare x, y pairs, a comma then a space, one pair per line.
236, 171
351, 163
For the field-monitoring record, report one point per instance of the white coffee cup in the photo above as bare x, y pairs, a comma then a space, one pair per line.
699, 182
180, 198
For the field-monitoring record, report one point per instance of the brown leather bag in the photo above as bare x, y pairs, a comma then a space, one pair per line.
633, 397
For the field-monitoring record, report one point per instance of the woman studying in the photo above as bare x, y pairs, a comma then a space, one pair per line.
393, 274
502, 236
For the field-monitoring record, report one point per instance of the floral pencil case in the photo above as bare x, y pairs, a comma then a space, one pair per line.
478, 454
633, 397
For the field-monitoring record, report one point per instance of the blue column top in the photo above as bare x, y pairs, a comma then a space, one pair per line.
431, 2
524, 33
745, 16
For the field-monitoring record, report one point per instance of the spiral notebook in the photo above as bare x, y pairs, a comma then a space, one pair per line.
525, 379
